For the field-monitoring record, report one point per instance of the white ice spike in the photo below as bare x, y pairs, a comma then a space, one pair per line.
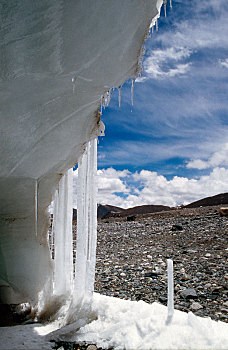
86, 223
120, 96
36, 207
101, 104
170, 290
132, 91
63, 271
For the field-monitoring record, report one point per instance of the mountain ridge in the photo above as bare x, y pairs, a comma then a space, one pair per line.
105, 211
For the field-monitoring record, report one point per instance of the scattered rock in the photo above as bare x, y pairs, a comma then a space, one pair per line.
188, 293
91, 347
131, 218
177, 227
196, 306
223, 211
125, 247
151, 274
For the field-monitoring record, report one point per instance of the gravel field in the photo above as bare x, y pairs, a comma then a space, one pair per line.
131, 259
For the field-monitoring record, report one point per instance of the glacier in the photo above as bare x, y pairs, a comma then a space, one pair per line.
59, 62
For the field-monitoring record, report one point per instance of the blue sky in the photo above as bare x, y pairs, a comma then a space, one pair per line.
171, 147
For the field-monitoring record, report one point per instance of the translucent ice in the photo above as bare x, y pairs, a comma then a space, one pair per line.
170, 290
86, 223
63, 272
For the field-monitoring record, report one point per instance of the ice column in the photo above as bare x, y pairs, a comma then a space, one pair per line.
86, 223
170, 290
62, 231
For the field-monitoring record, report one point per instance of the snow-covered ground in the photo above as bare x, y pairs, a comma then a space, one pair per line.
125, 324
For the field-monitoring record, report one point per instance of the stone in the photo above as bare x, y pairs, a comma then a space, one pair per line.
188, 293
151, 274
223, 211
91, 347
177, 227
196, 306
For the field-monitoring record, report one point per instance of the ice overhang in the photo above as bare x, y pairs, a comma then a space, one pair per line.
57, 59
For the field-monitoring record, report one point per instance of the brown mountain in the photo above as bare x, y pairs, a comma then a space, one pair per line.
219, 199
142, 209
103, 210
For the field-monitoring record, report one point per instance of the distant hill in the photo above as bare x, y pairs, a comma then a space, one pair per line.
142, 209
102, 210
219, 199
110, 211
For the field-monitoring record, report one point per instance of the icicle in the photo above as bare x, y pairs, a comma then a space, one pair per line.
55, 213
120, 96
86, 223
171, 6
36, 207
63, 237
170, 290
165, 4
73, 82
152, 29
101, 104
132, 91
156, 24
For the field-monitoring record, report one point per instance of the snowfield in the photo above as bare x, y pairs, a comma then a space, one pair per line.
125, 324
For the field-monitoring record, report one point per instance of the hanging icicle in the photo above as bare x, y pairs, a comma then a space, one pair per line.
171, 6
63, 271
120, 96
36, 207
74, 82
132, 91
165, 4
157, 24
101, 105
55, 212
86, 223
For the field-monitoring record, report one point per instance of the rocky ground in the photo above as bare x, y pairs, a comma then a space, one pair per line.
131, 259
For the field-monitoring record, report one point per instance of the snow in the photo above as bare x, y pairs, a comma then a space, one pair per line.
125, 324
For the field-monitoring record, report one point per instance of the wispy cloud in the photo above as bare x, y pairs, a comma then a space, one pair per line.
166, 63
224, 63
219, 158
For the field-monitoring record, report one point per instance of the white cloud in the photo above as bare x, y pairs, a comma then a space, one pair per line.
126, 189
166, 63
224, 63
156, 189
219, 158
109, 182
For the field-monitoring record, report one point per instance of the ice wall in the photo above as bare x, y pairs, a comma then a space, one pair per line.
57, 59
